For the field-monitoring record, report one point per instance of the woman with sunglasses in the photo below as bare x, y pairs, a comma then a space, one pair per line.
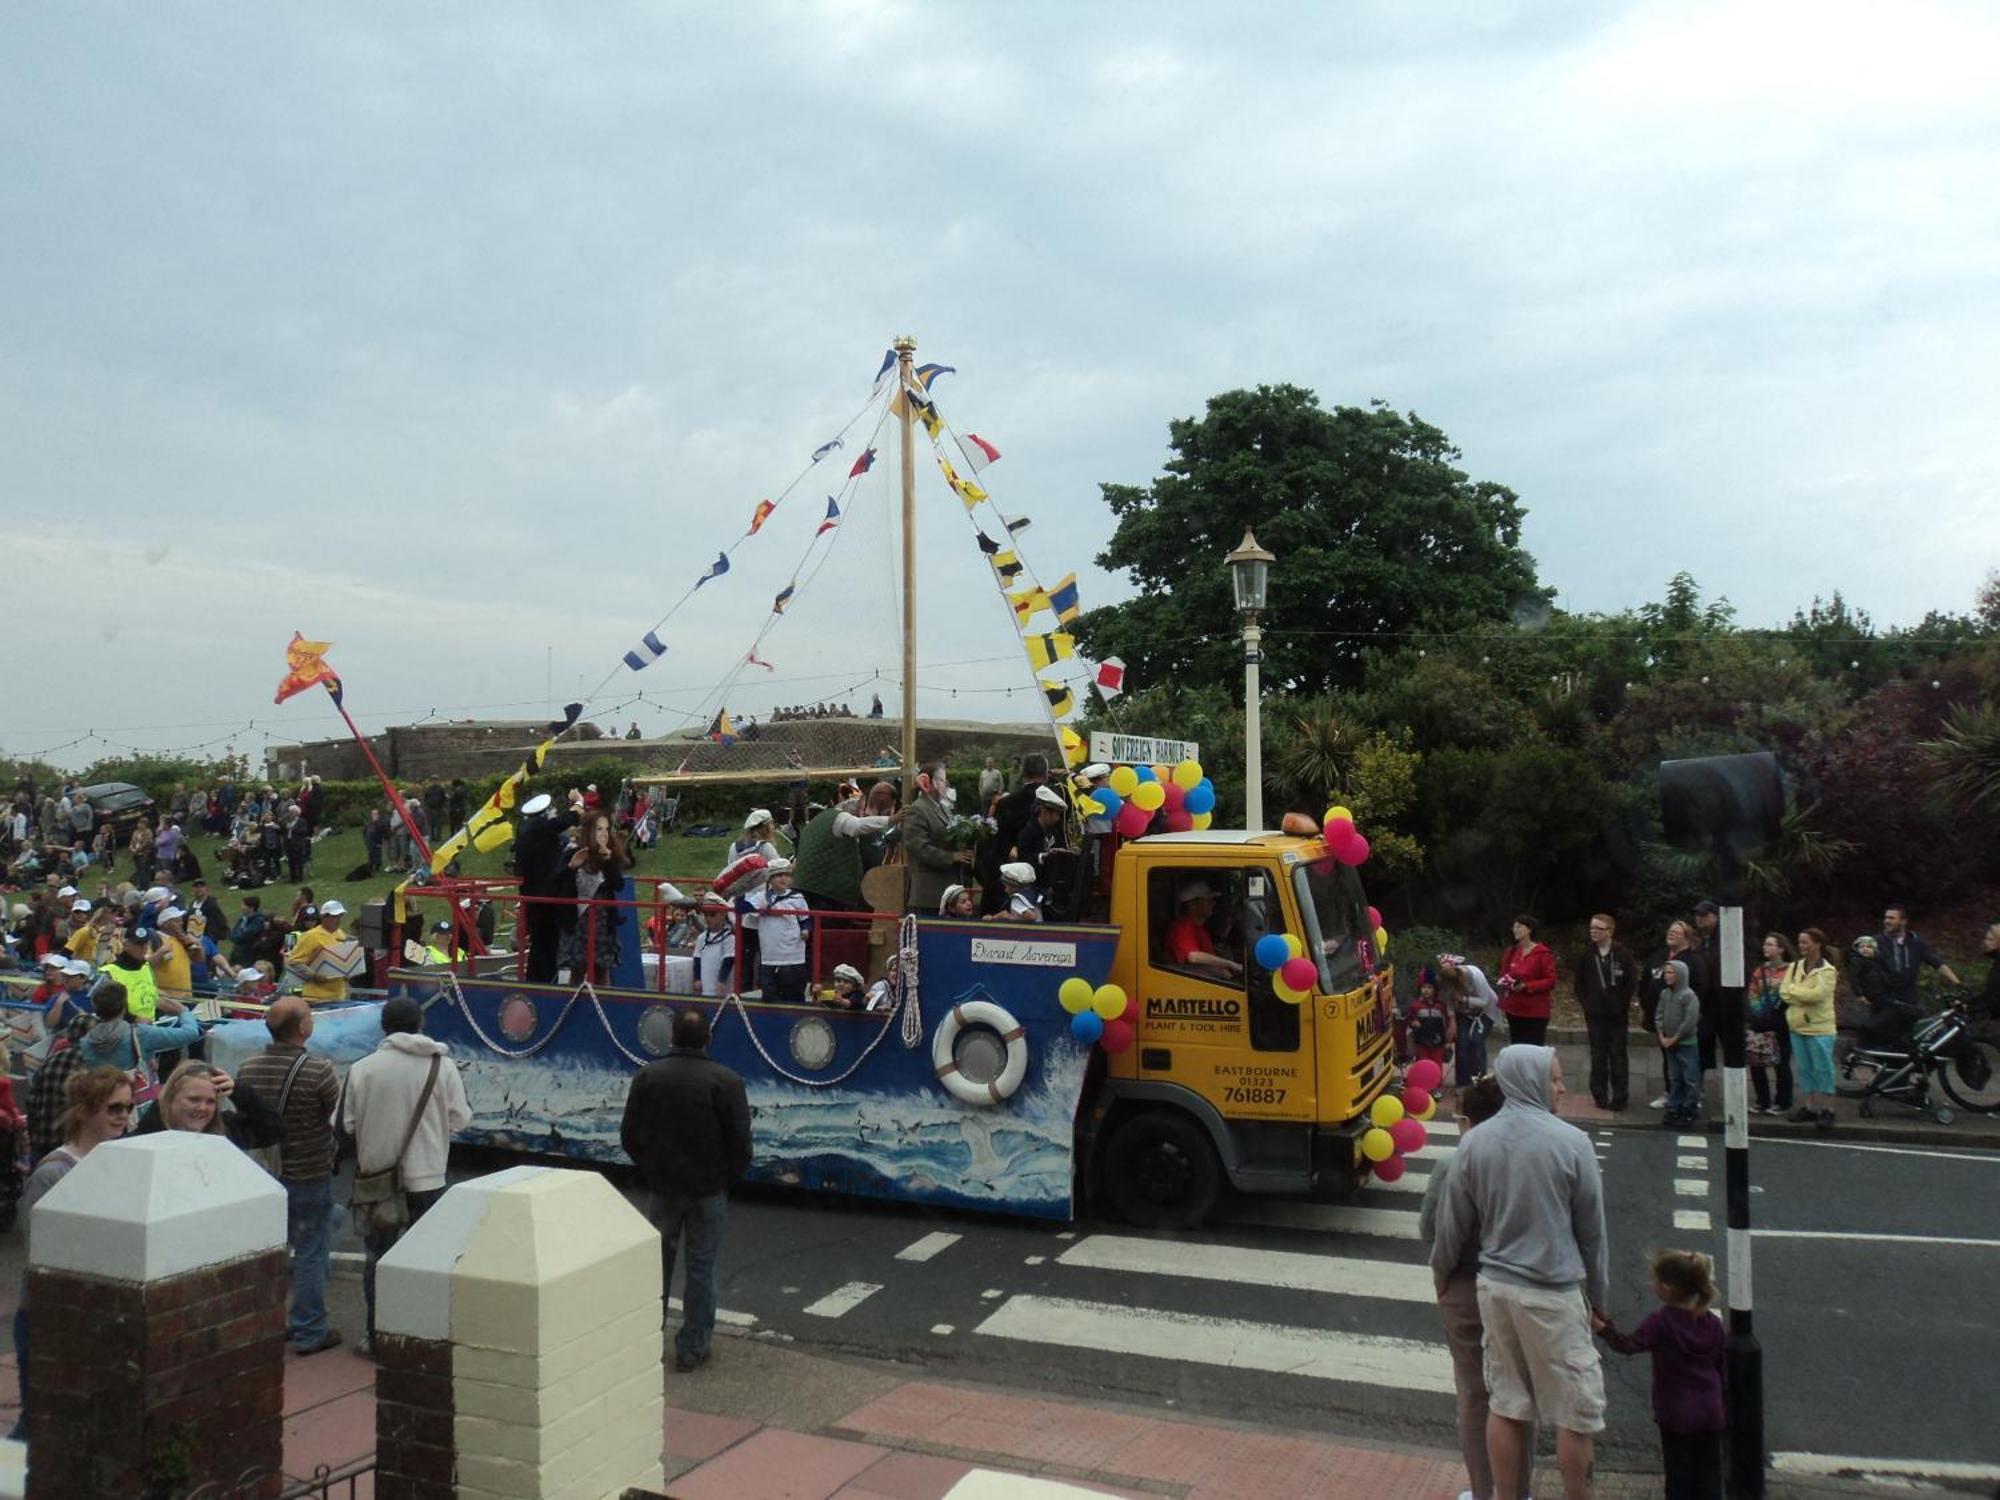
97, 1109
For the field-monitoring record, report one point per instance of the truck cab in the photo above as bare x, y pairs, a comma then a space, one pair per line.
1227, 1083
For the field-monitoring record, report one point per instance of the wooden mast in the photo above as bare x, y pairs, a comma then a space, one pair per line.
906, 348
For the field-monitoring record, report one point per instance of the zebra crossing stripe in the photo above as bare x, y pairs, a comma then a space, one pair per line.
1189, 1338
1289, 1269
928, 1246
842, 1300
1386, 1223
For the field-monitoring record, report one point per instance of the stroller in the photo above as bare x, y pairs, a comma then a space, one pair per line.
1941, 1048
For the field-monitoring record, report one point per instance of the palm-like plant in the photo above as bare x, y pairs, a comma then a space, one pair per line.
1965, 757
1315, 760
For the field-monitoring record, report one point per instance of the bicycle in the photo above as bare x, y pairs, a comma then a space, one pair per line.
1943, 1047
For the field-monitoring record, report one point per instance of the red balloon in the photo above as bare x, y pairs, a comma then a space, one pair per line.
1416, 1099
1176, 796
1338, 831
1409, 1135
1300, 973
1133, 820
1180, 820
1353, 852
1424, 1074
1374, 917
1117, 1036
1388, 1170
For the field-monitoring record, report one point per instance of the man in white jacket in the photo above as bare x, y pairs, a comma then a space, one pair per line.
379, 1109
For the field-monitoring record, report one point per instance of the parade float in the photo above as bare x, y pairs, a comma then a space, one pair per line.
1016, 1067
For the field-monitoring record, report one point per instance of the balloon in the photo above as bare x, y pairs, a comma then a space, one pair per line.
1386, 1110
1430, 1107
1187, 775
1300, 973
1086, 1026
1337, 831
1176, 796
1272, 950
1152, 796
1117, 1036
1286, 993
1424, 1074
1108, 800
1390, 1170
1163, 774
1180, 821
1408, 1135
1200, 799
1375, 918
1381, 943
1353, 852
1415, 1100
1202, 820
1075, 993
1377, 1145
1337, 811
1294, 945
1133, 820
1123, 780
1144, 773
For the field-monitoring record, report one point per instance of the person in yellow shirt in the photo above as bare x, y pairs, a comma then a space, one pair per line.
82, 940
172, 968
308, 954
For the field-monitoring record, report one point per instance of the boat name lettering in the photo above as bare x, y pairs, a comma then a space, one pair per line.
1040, 955
1167, 1008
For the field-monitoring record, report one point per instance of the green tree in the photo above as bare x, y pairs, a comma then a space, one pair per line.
1377, 533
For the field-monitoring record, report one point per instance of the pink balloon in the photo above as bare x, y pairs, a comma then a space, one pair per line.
1416, 1099
1424, 1074
1133, 820
1374, 917
1409, 1135
1300, 973
1117, 1036
1389, 1170
1338, 831
1180, 820
1353, 852
1176, 796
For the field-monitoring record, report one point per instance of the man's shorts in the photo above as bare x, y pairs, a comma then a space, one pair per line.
1540, 1359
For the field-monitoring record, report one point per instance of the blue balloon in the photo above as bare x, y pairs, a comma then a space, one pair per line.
1272, 950
1201, 799
1144, 773
1107, 799
1086, 1026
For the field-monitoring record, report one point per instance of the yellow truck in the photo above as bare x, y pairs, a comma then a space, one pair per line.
1226, 1082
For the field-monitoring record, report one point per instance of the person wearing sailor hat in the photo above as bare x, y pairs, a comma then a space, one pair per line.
1023, 901
548, 885
850, 990
783, 923
1091, 777
958, 901
1045, 830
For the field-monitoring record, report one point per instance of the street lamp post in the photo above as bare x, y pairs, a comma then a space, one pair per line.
1250, 576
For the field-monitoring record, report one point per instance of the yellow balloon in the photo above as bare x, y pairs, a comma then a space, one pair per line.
1296, 944
1386, 1110
1075, 994
1202, 820
1337, 811
1286, 993
1109, 1002
1430, 1108
1187, 775
1149, 795
1377, 1145
1124, 780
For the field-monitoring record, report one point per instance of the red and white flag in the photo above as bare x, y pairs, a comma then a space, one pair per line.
1111, 677
978, 452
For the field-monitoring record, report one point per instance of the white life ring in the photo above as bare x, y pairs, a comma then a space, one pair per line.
943, 1052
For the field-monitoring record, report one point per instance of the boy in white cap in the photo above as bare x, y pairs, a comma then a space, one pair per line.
1023, 901
849, 991
958, 901
783, 922
1045, 829
1093, 776
714, 947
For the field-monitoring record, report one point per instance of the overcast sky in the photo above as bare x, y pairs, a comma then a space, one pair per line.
464, 336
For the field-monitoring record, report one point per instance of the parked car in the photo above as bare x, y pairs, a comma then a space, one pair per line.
120, 804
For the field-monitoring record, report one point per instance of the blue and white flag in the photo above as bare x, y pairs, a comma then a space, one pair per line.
721, 567
825, 448
648, 651
882, 375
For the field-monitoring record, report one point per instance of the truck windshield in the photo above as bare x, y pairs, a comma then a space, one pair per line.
1336, 917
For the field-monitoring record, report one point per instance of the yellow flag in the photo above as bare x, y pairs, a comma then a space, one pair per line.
1044, 651
1061, 700
1026, 602
969, 492
1072, 745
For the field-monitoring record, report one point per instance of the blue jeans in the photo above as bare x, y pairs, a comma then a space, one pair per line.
308, 1227
702, 1220
1470, 1053
1684, 1078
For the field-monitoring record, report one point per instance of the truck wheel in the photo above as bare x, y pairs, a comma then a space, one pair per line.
1160, 1171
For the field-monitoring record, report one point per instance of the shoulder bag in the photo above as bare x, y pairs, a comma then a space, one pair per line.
376, 1198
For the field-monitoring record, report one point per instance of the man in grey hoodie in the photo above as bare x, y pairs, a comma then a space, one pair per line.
1525, 1188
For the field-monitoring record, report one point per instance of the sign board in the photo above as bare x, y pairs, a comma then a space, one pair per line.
1038, 954
1141, 750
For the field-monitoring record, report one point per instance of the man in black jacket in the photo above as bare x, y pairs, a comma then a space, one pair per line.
538, 857
1607, 977
1011, 818
687, 1127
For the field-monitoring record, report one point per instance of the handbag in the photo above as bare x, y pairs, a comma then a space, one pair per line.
145, 1082
376, 1199
272, 1157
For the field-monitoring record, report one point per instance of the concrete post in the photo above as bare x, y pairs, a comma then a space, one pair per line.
518, 1345
156, 1323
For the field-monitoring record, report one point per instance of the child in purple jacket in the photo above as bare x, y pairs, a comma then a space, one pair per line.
1685, 1340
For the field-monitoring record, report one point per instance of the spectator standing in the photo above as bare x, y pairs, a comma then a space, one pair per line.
687, 1128
298, 843
1525, 1189
1458, 1305
1707, 980
1808, 990
305, 1161
402, 1105
1678, 1021
1686, 1340
1904, 955
1607, 979
435, 801
992, 782
1473, 1002
1767, 1044
830, 860
325, 933
458, 803
82, 821
1680, 944
1527, 978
